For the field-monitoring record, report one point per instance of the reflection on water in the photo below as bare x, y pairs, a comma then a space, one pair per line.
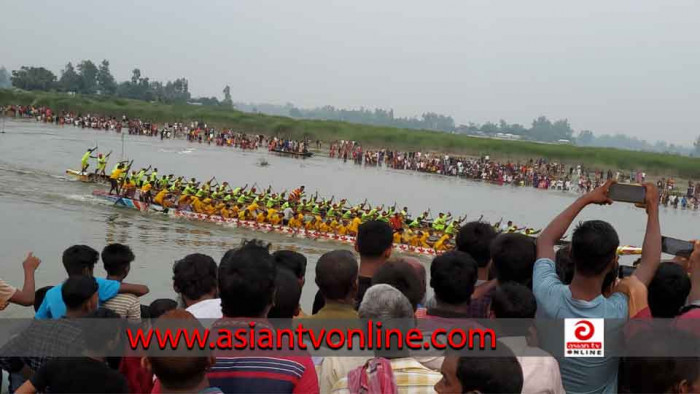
45, 212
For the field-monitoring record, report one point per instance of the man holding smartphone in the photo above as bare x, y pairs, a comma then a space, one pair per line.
593, 249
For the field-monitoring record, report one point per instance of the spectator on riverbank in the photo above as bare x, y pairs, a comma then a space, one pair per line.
25, 295
194, 280
296, 263
117, 260
593, 250
452, 277
287, 295
500, 372
337, 281
401, 276
80, 260
246, 280
374, 244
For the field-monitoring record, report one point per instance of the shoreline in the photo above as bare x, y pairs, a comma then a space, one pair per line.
371, 137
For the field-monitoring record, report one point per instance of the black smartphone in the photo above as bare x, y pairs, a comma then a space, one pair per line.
627, 193
625, 271
676, 247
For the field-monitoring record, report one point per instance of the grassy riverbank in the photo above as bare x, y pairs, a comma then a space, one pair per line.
403, 139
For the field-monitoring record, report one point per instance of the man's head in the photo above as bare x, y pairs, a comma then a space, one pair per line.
287, 295
374, 240
475, 239
452, 277
247, 281
80, 260
661, 361
293, 261
594, 248
161, 306
403, 277
513, 258
513, 301
668, 290
498, 373
117, 260
100, 335
384, 302
564, 264
336, 275
177, 372
194, 278
80, 295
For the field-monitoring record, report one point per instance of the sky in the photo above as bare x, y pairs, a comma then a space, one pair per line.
623, 66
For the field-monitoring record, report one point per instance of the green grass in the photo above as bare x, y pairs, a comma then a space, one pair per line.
369, 136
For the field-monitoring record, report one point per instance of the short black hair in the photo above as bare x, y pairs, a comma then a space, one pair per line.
247, 280
403, 277
194, 276
564, 264
39, 296
287, 295
513, 301
593, 246
513, 257
79, 257
668, 290
116, 259
98, 334
500, 372
453, 276
650, 366
475, 238
291, 260
336, 273
374, 238
78, 289
161, 306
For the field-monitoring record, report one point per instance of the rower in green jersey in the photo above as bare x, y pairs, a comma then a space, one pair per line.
440, 222
85, 160
164, 182
102, 163
154, 176
140, 176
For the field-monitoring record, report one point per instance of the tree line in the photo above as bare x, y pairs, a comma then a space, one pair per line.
88, 78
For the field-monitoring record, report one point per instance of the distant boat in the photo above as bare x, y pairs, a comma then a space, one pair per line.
88, 177
297, 154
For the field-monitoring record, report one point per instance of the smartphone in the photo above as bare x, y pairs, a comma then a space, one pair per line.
627, 193
625, 271
676, 247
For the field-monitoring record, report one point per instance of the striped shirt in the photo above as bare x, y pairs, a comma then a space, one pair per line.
264, 375
125, 305
410, 377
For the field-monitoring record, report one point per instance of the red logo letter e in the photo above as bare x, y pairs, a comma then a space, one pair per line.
584, 330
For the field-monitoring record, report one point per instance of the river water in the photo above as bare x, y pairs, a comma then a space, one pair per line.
43, 211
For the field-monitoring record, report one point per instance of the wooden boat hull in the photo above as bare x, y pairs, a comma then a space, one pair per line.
89, 177
296, 154
249, 224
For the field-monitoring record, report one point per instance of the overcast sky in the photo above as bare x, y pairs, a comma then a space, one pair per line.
623, 66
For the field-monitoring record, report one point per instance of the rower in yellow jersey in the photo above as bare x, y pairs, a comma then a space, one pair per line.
441, 244
354, 225
342, 228
158, 199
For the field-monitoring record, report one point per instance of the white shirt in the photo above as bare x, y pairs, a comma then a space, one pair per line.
540, 369
207, 309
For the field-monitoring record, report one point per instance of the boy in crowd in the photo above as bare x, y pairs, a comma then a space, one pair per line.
374, 243
24, 296
194, 280
80, 260
117, 259
594, 252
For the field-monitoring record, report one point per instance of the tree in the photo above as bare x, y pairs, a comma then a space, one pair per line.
585, 138
227, 101
4, 78
70, 80
105, 81
88, 77
33, 78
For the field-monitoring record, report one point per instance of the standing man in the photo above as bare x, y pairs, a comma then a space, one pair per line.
84, 162
102, 163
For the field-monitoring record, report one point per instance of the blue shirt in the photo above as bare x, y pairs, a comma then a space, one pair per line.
53, 307
554, 301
